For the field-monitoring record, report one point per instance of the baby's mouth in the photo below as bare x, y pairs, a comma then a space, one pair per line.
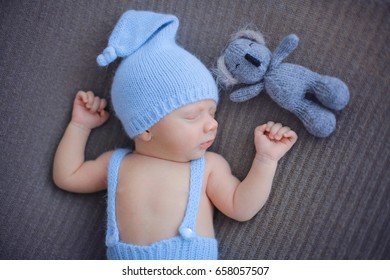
207, 144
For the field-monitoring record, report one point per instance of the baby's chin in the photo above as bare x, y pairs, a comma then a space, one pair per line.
187, 158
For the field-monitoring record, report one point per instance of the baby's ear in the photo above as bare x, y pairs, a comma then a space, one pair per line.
246, 93
145, 136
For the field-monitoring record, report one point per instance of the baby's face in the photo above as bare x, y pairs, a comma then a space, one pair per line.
186, 133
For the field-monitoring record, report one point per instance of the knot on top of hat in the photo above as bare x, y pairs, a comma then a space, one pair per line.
136, 28
108, 56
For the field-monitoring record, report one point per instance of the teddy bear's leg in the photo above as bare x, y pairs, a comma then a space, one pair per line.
318, 121
331, 92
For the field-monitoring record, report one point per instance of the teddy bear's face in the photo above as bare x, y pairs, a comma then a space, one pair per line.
247, 60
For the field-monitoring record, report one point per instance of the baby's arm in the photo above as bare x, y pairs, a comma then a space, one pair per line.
70, 170
242, 200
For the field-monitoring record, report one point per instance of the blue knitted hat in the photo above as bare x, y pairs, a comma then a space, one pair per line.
156, 76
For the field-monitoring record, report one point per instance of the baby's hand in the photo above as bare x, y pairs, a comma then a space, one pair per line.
272, 141
88, 110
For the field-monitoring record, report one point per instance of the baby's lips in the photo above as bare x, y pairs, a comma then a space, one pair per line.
207, 144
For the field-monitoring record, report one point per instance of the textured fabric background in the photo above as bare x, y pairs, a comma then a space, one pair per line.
330, 198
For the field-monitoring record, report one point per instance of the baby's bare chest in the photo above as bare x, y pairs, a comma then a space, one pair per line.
152, 201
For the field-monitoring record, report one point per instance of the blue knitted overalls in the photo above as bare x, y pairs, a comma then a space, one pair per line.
187, 245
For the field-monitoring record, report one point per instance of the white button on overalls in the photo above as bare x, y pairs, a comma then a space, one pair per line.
187, 233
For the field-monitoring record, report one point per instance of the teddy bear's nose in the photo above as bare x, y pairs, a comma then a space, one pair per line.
252, 60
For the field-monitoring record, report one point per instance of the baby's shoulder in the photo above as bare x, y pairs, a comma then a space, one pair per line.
214, 160
136, 169
211, 156
134, 160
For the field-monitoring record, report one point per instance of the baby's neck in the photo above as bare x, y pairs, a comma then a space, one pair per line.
159, 156
154, 150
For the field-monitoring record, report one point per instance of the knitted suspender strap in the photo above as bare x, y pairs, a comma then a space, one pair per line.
112, 235
188, 227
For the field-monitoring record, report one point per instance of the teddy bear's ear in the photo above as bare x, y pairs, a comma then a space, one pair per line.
223, 75
248, 34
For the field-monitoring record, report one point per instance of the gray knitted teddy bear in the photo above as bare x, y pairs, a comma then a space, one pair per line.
248, 63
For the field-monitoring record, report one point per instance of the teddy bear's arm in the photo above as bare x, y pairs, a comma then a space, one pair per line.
287, 46
246, 93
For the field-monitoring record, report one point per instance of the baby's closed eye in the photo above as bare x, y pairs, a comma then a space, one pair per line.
191, 115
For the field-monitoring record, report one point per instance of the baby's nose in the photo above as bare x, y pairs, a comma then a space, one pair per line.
211, 125
253, 60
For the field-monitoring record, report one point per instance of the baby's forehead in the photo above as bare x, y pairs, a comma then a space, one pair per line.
206, 104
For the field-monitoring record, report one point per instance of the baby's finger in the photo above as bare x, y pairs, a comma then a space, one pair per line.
103, 104
81, 96
91, 98
291, 135
104, 115
96, 104
269, 126
282, 131
261, 128
274, 129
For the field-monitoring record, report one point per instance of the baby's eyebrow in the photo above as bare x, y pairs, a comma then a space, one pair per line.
199, 108
193, 110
